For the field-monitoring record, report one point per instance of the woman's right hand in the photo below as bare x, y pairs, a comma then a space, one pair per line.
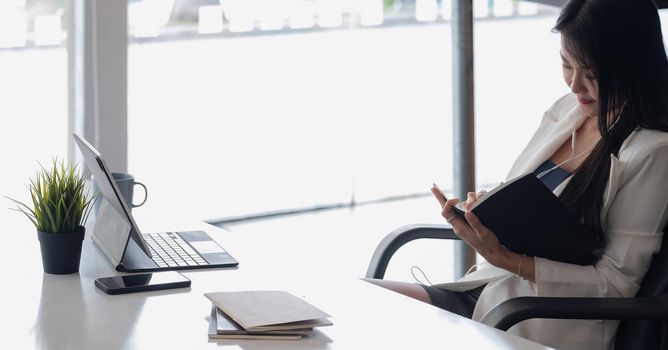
471, 198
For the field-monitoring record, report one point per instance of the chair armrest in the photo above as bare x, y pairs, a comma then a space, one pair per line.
513, 311
397, 238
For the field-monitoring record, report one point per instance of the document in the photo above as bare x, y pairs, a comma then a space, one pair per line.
223, 327
262, 311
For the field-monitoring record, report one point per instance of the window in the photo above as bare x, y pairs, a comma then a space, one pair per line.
517, 78
256, 106
33, 89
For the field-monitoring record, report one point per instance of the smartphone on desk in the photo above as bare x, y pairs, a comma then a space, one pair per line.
458, 211
142, 282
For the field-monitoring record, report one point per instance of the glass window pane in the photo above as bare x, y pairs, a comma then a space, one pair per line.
267, 105
33, 90
292, 104
517, 78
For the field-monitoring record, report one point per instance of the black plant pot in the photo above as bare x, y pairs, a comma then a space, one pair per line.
61, 252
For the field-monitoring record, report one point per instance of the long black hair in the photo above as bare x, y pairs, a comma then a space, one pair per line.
621, 41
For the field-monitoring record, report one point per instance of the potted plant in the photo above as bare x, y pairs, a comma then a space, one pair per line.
60, 208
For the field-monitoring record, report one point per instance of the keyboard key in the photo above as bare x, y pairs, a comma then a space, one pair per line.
190, 250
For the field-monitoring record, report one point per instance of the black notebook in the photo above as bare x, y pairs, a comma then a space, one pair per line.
529, 219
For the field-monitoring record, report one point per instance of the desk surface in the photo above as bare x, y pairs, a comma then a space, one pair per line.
68, 312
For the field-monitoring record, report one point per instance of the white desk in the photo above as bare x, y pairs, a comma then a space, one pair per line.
68, 312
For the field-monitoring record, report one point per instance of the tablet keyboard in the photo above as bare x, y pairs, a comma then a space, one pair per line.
168, 249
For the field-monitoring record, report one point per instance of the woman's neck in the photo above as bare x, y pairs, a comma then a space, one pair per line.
589, 126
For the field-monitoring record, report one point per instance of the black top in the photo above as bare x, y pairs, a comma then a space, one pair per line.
553, 178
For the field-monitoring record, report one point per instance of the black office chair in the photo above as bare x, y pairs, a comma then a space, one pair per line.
643, 317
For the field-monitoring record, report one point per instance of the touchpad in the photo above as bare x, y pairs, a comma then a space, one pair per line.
207, 247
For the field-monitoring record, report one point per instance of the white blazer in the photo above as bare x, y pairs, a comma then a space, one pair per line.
634, 213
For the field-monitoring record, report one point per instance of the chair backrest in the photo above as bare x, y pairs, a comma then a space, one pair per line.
648, 335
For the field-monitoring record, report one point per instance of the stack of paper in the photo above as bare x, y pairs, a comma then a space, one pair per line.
262, 315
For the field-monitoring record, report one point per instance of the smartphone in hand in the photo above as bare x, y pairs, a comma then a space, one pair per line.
458, 211
440, 191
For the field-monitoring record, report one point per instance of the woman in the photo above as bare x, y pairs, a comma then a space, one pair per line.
603, 150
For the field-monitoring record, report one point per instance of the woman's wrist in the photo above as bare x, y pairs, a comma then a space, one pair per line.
505, 259
520, 265
512, 262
